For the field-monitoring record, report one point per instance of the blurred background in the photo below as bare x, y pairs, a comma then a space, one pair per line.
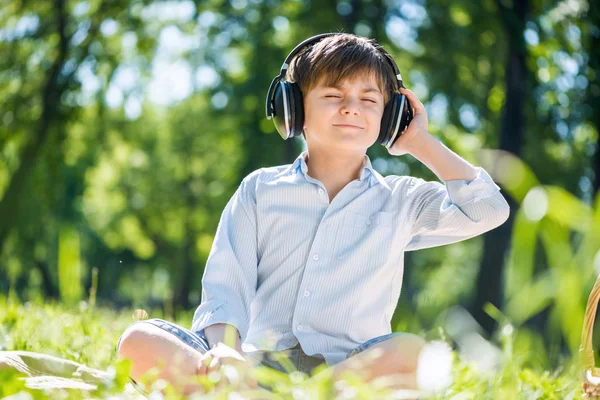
126, 126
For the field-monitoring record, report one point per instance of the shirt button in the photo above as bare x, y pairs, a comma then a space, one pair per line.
299, 327
316, 257
306, 293
321, 191
368, 222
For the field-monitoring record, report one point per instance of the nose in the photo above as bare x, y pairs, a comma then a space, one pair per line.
350, 106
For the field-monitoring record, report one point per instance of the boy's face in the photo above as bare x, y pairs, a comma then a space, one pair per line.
344, 118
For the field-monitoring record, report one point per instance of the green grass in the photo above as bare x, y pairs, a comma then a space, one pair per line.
88, 335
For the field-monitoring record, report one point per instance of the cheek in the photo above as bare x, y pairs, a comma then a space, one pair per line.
318, 113
375, 114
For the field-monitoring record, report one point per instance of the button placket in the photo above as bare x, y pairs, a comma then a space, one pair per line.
315, 257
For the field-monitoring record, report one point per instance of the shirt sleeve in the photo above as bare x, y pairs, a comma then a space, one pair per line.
441, 214
230, 275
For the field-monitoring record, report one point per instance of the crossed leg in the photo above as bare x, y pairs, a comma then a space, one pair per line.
394, 360
149, 346
173, 360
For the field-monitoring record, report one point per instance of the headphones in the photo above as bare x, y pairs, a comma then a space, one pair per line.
285, 104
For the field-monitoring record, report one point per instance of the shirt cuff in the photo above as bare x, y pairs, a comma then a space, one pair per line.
462, 192
211, 313
202, 336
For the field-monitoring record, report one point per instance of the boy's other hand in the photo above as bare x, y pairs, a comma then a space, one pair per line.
417, 129
223, 356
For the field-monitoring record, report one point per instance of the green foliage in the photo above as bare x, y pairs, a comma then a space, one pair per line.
69, 265
100, 171
568, 231
88, 335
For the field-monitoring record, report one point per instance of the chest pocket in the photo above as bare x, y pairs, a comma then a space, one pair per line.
365, 239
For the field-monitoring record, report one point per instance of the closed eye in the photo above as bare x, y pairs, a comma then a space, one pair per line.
337, 97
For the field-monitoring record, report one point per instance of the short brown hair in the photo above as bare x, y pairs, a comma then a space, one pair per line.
339, 57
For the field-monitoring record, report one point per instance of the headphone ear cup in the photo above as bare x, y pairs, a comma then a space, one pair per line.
297, 109
281, 110
289, 110
389, 119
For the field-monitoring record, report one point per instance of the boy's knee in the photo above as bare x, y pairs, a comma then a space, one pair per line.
134, 339
407, 348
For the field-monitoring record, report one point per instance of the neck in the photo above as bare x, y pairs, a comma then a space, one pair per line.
334, 168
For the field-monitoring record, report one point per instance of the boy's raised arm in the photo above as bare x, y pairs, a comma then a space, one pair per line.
468, 204
230, 276
440, 214
417, 141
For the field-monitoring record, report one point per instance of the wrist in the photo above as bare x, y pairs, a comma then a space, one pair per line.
220, 332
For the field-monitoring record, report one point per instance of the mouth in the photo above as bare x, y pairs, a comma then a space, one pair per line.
350, 126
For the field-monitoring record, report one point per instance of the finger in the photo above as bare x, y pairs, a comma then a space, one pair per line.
207, 360
418, 107
214, 364
202, 369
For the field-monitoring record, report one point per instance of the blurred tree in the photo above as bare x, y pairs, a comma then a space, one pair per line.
159, 190
503, 53
512, 129
554, 225
592, 102
460, 57
50, 45
52, 86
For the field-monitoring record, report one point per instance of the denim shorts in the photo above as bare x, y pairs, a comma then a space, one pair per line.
300, 360
371, 342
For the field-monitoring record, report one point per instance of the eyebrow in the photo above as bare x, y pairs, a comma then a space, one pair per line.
363, 90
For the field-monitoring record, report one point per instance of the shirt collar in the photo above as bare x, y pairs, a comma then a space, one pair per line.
366, 173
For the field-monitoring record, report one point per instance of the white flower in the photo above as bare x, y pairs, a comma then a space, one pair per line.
434, 370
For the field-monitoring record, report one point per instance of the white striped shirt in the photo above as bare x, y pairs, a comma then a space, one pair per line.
286, 266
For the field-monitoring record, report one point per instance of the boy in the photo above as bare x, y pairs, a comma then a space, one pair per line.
307, 260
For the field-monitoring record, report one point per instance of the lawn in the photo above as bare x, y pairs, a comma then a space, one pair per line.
87, 334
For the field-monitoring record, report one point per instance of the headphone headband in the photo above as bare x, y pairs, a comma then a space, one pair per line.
284, 67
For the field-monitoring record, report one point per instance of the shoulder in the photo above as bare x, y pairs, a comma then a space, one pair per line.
267, 175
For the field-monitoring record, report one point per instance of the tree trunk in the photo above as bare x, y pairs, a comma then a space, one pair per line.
593, 89
497, 241
9, 204
50, 288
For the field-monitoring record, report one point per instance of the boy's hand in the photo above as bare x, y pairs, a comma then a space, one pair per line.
417, 129
223, 356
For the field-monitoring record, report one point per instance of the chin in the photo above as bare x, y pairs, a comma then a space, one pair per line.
353, 146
